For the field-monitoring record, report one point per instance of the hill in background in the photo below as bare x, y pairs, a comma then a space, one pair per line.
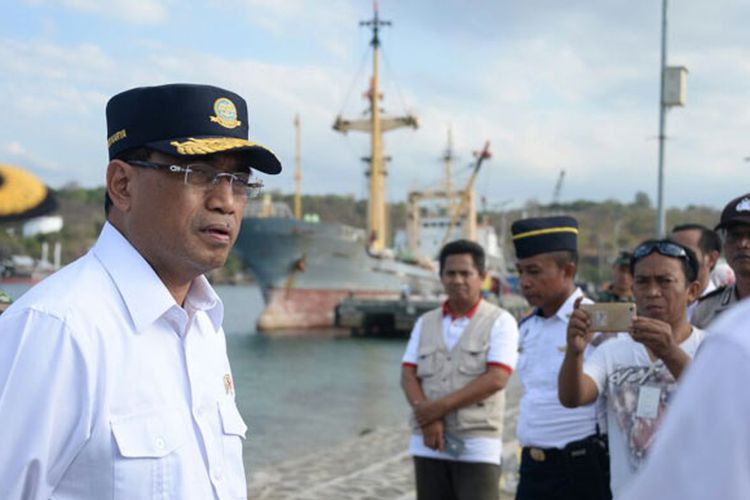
605, 227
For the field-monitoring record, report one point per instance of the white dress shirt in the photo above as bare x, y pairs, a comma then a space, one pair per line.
110, 390
542, 421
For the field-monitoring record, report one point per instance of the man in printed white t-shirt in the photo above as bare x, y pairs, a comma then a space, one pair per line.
637, 371
707, 422
457, 362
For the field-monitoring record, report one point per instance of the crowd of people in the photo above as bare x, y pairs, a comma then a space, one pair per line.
115, 383
602, 415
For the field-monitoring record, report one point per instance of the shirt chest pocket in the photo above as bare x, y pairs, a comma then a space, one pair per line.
473, 360
427, 361
145, 454
234, 429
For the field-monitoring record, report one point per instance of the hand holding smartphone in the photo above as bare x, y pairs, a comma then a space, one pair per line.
610, 316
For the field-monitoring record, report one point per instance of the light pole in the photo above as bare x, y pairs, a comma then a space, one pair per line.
660, 218
672, 93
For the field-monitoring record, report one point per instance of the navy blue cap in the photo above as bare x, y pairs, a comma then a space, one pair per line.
544, 234
184, 120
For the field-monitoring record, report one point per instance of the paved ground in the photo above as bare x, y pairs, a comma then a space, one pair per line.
374, 466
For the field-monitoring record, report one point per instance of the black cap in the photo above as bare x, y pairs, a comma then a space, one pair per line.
544, 234
737, 211
184, 120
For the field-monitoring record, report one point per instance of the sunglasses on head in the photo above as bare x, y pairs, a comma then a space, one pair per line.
666, 248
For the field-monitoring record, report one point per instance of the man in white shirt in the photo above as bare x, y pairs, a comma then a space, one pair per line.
703, 447
564, 453
457, 362
113, 371
636, 373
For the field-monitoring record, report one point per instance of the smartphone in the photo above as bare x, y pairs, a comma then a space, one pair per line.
454, 445
610, 316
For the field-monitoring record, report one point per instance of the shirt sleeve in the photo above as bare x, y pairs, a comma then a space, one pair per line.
45, 403
595, 366
504, 342
412, 348
702, 449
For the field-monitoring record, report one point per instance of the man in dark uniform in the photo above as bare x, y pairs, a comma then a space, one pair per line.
734, 228
564, 453
621, 288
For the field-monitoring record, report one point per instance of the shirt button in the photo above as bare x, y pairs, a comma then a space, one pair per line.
217, 475
160, 443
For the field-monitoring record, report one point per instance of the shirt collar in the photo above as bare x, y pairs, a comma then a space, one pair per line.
710, 287
469, 314
143, 293
566, 309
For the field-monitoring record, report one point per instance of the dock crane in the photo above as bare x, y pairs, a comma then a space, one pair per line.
558, 188
465, 202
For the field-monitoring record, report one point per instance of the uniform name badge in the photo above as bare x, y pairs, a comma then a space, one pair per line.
648, 402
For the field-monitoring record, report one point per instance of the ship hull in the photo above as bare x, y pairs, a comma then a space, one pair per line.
305, 269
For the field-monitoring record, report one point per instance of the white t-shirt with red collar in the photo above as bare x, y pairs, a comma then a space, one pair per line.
503, 352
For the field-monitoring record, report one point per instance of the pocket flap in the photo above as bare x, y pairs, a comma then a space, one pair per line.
231, 420
426, 350
154, 434
475, 345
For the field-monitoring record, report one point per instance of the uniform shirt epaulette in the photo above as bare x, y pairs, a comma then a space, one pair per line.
713, 293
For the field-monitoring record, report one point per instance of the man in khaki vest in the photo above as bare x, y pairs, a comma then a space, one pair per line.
457, 362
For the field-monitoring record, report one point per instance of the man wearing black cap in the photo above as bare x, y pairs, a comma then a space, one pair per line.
115, 381
621, 288
734, 229
636, 373
564, 454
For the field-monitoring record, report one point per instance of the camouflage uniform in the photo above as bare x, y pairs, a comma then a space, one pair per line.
609, 295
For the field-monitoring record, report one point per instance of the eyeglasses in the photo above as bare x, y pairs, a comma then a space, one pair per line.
204, 176
666, 248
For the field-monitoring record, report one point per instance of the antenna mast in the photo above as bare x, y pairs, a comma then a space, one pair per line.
375, 126
297, 170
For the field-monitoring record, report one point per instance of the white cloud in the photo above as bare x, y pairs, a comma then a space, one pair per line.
134, 11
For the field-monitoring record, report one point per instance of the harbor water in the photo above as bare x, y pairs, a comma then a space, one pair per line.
300, 393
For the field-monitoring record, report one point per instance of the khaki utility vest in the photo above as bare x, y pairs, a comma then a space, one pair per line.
442, 372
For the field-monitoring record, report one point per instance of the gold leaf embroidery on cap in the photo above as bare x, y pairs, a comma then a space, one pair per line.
207, 146
119, 135
226, 113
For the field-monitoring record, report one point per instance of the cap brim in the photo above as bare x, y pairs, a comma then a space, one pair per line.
740, 219
259, 157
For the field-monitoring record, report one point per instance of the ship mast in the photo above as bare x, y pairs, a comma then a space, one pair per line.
375, 126
297, 171
448, 159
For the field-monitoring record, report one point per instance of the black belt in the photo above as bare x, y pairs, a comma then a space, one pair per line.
574, 449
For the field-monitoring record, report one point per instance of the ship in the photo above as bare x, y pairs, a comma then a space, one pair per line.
305, 267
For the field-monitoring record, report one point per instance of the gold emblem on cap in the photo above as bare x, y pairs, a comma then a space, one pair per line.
207, 146
226, 113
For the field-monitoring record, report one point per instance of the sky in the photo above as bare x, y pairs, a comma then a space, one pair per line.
552, 85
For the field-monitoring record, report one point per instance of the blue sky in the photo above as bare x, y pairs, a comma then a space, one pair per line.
553, 85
